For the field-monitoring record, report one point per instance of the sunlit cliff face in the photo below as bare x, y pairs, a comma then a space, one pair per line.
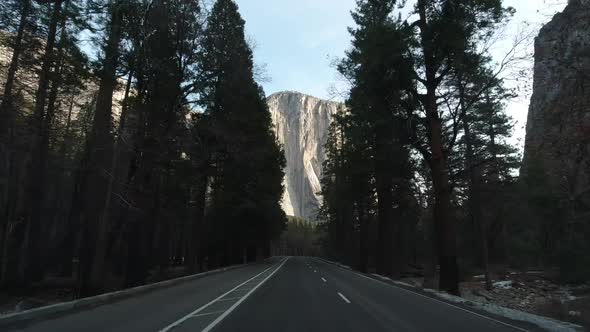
301, 123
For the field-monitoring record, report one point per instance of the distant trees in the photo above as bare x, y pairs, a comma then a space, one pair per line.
300, 238
159, 153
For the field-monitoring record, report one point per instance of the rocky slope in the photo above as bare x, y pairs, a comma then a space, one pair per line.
557, 147
302, 123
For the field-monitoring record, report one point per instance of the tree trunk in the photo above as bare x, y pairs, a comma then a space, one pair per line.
405, 208
384, 239
364, 238
56, 82
475, 208
30, 268
7, 118
161, 101
195, 239
387, 262
445, 224
100, 253
100, 148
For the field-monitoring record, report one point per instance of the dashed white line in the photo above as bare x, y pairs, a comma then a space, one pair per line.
233, 307
315, 271
344, 298
192, 314
324, 280
436, 300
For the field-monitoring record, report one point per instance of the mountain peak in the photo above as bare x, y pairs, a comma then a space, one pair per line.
289, 93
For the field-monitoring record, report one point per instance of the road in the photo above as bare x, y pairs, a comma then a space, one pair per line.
295, 294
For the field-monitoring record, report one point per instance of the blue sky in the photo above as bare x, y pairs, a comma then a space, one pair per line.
298, 41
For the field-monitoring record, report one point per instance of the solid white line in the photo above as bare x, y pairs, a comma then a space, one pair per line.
324, 280
183, 319
381, 277
233, 307
242, 290
344, 298
208, 314
230, 299
436, 300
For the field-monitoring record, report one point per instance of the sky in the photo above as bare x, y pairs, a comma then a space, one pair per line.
297, 42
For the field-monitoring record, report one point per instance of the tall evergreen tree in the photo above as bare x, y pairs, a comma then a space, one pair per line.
479, 95
247, 161
445, 29
98, 157
8, 110
379, 68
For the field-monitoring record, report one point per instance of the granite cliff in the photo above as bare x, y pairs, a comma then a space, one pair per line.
557, 146
301, 123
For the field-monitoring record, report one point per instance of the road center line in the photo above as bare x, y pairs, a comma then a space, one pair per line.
233, 307
183, 319
324, 280
344, 298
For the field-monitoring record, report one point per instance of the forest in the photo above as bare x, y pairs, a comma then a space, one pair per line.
422, 176
135, 144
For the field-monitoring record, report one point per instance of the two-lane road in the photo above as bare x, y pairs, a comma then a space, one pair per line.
310, 295
286, 294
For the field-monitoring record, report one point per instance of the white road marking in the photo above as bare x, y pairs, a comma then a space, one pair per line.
207, 313
381, 277
315, 271
324, 280
230, 298
344, 298
183, 319
437, 300
233, 307
242, 290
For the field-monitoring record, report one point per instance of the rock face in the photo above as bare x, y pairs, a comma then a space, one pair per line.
558, 129
301, 123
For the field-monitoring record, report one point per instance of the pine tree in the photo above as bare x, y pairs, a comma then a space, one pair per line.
480, 95
445, 29
379, 68
8, 113
247, 162
61, 56
98, 159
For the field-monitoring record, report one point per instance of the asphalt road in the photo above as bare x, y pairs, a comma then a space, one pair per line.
286, 294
